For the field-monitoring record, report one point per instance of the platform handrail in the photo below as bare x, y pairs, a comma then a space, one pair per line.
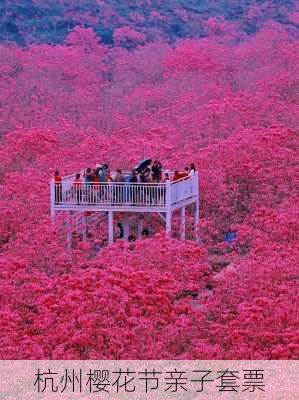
110, 193
162, 194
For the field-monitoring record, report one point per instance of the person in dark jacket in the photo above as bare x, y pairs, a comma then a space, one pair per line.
133, 177
156, 171
132, 190
88, 183
120, 231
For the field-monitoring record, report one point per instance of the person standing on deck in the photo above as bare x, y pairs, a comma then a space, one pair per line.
58, 187
176, 176
88, 184
132, 189
77, 186
119, 189
105, 171
102, 177
166, 177
101, 174
119, 176
156, 171
133, 177
109, 185
88, 177
94, 186
192, 170
185, 174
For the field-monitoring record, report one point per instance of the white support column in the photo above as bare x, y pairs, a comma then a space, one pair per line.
78, 223
68, 231
110, 227
52, 199
126, 227
84, 226
196, 221
168, 194
168, 221
183, 222
140, 226
168, 206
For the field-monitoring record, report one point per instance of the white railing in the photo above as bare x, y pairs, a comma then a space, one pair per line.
184, 188
111, 193
69, 193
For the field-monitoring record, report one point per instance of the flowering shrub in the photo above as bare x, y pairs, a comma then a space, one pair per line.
227, 105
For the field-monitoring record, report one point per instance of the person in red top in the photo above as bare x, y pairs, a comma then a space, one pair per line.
184, 174
78, 184
108, 177
78, 181
58, 187
180, 175
95, 185
57, 177
176, 176
95, 179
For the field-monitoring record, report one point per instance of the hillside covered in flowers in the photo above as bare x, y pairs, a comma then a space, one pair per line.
226, 100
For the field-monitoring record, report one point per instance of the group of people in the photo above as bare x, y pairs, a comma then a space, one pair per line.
100, 175
188, 171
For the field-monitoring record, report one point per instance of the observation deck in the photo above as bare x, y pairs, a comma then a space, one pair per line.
127, 197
